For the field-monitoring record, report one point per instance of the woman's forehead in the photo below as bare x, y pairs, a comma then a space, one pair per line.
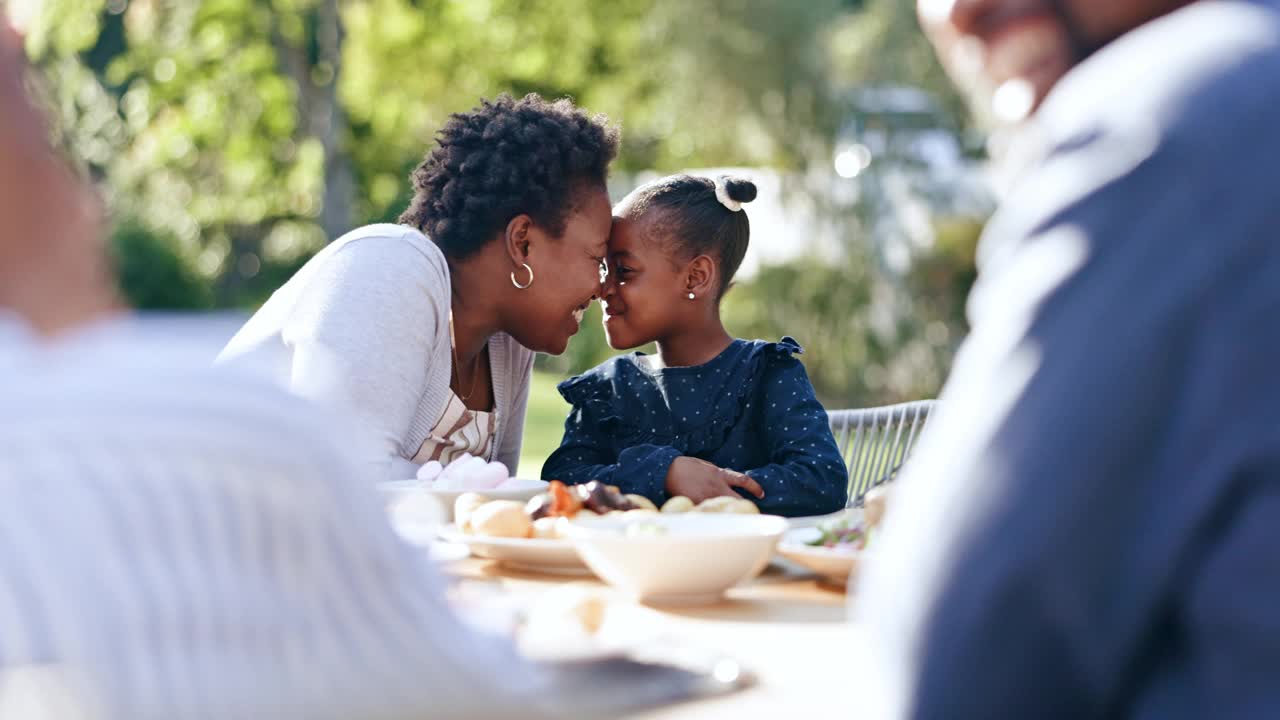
588, 226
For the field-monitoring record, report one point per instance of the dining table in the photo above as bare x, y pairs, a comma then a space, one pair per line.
787, 628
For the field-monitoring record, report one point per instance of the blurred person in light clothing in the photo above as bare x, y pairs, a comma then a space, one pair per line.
178, 541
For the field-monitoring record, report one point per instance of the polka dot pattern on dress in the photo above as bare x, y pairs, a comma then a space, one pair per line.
630, 422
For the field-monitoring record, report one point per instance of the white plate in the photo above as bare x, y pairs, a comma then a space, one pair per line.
834, 565
554, 556
424, 534
447, 552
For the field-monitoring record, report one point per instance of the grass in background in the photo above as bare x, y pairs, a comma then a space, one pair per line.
543, 425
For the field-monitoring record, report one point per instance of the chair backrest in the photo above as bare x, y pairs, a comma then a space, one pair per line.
874, 442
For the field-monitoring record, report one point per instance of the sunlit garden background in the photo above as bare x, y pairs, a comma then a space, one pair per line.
234, 138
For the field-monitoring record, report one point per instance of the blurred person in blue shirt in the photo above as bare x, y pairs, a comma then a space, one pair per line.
1090, 526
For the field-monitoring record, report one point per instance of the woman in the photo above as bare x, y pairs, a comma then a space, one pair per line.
425, 331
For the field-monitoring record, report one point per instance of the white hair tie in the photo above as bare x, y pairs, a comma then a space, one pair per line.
722, 194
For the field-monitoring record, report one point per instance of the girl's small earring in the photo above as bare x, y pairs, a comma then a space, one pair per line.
691, 296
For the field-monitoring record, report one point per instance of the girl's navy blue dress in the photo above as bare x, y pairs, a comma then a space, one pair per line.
751, 409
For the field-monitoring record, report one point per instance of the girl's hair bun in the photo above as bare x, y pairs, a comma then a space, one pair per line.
740, 189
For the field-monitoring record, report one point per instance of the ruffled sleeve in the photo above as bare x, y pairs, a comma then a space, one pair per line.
590, 451
805, 474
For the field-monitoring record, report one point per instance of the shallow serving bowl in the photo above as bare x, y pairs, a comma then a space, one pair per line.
677, 559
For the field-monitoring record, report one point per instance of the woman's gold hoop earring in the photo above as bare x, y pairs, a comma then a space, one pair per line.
526, 285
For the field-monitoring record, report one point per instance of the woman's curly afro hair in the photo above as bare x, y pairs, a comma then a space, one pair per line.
504, 158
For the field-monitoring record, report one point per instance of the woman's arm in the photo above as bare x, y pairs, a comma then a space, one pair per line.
513, 431
363, 333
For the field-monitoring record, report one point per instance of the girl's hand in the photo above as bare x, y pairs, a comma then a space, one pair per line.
700, 480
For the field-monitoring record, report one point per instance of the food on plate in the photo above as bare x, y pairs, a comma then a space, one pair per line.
565, 502
641, 502
562, 500
854, 529
846, 533
715, 505
464, 506
540, 506
727, 504
539, 518
558, 501
546, 528
501, 518
543, 515
603, 498
677, 504
873, 505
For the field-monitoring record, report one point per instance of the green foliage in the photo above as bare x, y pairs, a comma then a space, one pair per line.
882, 45
825, 306
867, 341
246, 134
939, 282
195, 121
223, 119
543, 424
153, 274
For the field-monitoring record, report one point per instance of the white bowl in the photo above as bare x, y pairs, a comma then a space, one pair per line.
694, 560
519, 489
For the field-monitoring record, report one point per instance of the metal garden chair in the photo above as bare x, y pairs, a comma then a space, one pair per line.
874, 442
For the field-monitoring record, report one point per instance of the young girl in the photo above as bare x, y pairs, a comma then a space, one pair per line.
708, 415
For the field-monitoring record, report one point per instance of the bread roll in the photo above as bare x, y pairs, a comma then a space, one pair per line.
547, 528
501, 518
677, 504
464, 506
721, 504
641, 502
